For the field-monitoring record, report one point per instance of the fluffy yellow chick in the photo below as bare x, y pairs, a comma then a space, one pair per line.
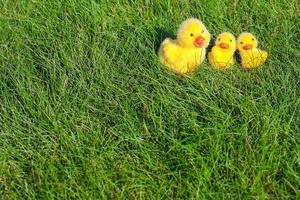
251, 56
188, 50
221, 55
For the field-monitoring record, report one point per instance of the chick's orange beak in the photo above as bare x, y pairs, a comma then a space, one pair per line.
199, 42
224, 46
247, 47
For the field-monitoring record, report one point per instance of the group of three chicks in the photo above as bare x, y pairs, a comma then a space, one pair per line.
184, 54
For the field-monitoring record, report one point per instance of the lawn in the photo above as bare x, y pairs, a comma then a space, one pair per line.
88, 112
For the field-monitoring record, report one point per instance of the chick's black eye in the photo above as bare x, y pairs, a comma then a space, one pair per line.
241, 42
230, 40
192, 35
219, 39
253, 39
202, 31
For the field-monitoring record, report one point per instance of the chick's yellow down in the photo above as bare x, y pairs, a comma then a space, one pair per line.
188, 50
251, 56
221, 55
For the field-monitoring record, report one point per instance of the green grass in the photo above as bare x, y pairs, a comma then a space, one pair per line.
88, 112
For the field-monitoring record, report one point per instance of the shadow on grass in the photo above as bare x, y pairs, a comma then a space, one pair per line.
237, 57
210, 46
161, 35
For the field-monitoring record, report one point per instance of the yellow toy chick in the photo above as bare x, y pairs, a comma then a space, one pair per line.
184, 54
251, 56
221, 55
